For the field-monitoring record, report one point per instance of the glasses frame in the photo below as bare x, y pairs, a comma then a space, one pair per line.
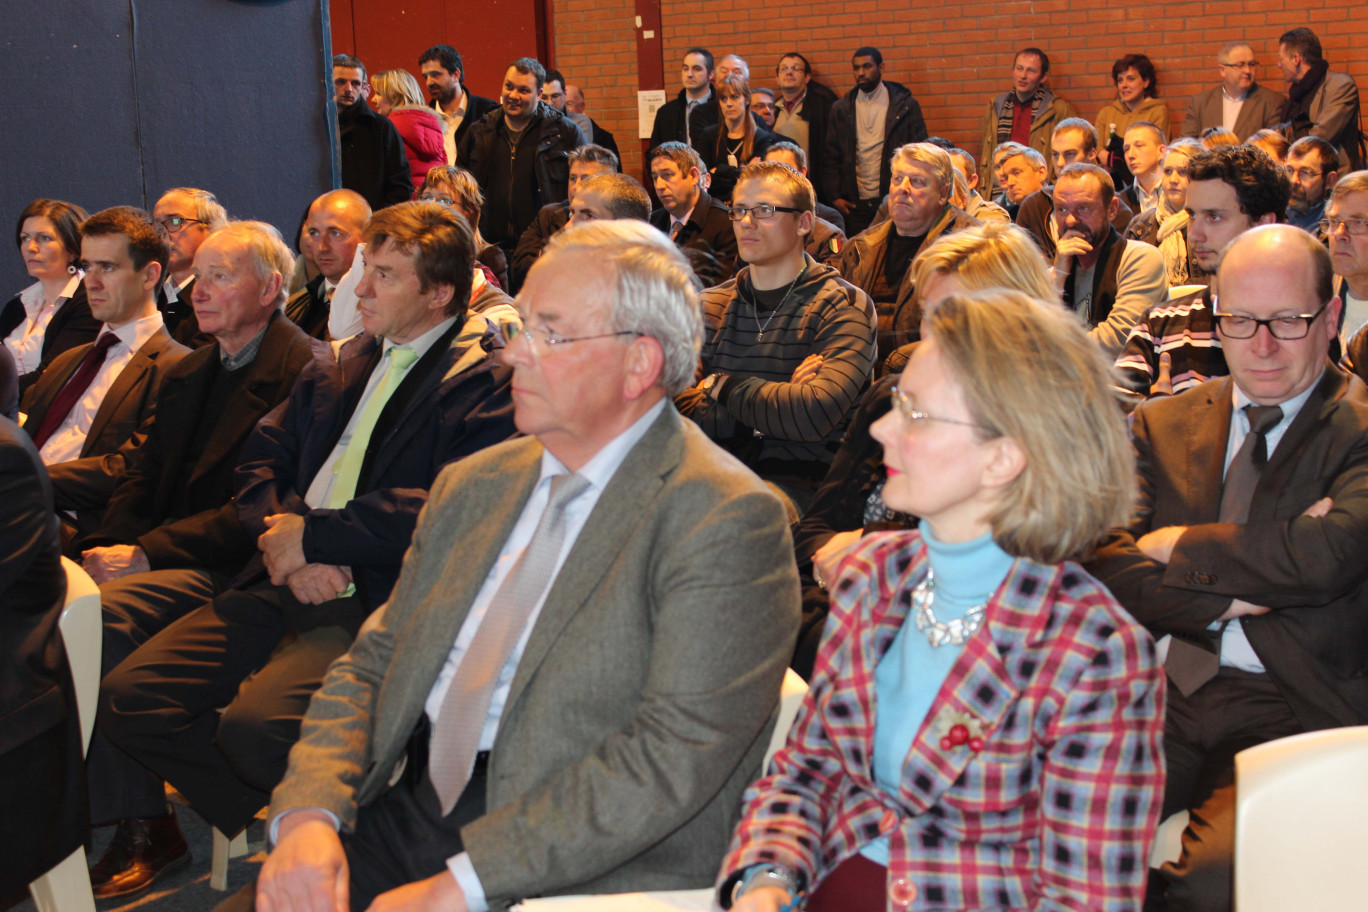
511, 331
738, 213
1307, 320
165, 225
911, 417
1331, 225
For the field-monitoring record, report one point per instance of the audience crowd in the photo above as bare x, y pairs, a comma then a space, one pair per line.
474, 535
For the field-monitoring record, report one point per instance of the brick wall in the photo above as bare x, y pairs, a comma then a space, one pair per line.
952, 55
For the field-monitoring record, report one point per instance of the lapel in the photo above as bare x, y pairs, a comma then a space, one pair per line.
1286, 459
1207, 433
129, 382
51, 383
1251, 113
492, 501
611, 526
421, 389
192, 388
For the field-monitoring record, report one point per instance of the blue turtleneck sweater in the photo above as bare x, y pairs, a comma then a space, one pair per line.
911, 673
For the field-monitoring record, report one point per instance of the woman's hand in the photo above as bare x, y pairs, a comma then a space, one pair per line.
829, 555
762, 899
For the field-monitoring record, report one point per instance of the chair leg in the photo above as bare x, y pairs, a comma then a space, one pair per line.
225, 849
66, 888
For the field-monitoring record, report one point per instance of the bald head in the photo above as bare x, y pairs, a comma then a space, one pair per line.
1275, 280
333, 229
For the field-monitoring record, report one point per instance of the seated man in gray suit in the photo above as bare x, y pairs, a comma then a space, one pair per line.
586, 682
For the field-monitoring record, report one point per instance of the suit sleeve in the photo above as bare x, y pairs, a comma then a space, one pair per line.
811, 411
1102, 781
1341, 109
1140, 283
1137, 581
724, 597
1191, 117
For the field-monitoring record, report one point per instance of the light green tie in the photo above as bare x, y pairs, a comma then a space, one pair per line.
348, 466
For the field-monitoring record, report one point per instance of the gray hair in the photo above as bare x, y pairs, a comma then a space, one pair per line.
207, 207
656, 291
1353, 182
935, 158
268, 252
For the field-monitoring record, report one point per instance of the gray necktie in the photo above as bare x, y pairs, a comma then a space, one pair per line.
456, 735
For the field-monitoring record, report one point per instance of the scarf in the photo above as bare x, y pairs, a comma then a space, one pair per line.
1172, 241
1004, 128
1299, 93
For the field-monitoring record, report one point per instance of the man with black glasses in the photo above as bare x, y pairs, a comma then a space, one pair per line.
788, 346
1252, 510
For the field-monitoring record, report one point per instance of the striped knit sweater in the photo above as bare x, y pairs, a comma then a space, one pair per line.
781, 428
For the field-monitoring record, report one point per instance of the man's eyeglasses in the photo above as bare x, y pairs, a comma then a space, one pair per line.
544, 339
1306, 174
762, 211
173, 224
913, 416
1354, 226
444, 200
1288, 329
1246, 65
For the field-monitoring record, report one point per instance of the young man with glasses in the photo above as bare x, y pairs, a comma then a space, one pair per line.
1312, 169
1174, 345
184, 216
789, 344
1253, 505
1238, 103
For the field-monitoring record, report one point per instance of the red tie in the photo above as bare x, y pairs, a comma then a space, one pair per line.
75, 388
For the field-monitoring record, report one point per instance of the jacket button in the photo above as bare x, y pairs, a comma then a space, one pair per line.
902, 892
888, 822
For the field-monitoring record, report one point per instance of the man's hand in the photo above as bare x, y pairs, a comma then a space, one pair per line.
1163, 383
1241, 608
762, 899
307, 872
829, 555
1070, 245
1320, 508
844, 205
808, 369
439, 893
1158, 545
282, 546
114, 562
315, 584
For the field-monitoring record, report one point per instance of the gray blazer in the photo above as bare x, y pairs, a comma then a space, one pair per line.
642, 705
1262, 108
1334, 111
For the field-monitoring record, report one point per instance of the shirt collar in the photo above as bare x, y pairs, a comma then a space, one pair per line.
600, 469
1290, 408
135, 333
245, 355
424, 342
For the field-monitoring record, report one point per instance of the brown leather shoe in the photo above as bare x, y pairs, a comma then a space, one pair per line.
141, 851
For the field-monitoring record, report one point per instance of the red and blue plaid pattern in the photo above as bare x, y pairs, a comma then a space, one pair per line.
1057, 808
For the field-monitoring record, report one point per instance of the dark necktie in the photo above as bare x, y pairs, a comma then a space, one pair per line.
461, 720
75, 388
1243, 474
1190, 666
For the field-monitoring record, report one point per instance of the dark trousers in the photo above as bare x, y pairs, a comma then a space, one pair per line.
214, 702
402, 836
1202, 735
860, 217
136, 608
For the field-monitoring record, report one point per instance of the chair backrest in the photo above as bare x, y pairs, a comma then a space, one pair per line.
1301, 822
82, 634
790, 697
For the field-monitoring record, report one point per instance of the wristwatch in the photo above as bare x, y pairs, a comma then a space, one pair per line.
708, 383
765, 875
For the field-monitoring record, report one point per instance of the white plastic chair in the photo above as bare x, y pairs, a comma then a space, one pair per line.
1168, 839
225, 849
791, 695
1301, 822
66, 888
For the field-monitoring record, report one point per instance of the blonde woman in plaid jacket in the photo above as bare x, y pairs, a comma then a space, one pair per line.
983, 726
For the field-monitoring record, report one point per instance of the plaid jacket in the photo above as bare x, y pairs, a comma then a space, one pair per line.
1055, 811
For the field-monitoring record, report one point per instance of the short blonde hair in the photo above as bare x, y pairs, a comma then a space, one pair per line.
991, 255
1029, 372
935, 158
398, 87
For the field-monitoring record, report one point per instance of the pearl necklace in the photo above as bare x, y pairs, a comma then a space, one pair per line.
940, 633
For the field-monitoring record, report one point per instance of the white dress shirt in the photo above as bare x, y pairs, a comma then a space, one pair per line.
1235, 649
1230, 108
25, 341
67, 441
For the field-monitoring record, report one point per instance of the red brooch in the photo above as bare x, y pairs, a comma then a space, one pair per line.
959, 729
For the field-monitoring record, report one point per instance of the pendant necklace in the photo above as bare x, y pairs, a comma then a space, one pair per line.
755, 310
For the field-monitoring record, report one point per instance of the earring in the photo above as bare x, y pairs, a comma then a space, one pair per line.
71, 269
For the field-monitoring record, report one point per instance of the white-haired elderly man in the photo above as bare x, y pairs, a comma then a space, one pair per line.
588, 679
